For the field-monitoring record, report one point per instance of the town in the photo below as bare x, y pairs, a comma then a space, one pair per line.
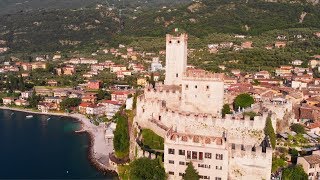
226, 125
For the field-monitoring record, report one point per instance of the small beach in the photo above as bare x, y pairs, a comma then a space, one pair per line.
99, 149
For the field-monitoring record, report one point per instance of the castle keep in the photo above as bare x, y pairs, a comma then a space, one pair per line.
186, 111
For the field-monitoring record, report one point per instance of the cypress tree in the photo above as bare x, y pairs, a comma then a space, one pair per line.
269, 131
191, 173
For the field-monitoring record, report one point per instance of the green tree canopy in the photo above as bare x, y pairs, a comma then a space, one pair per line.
70, 102
294, 172
146, 169
121, 137
298, 128
243, 101
191, 173
226, 110
269, 131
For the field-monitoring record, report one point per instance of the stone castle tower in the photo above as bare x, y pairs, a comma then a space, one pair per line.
176, 58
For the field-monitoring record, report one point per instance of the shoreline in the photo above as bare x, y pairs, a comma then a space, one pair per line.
92, 131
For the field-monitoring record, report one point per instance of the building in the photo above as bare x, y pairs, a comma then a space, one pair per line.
262, 75
21, 102
156, 65
246, 45
83, 107
96, 110
68, 70
280, 44
52, 83
310, 165
94, 84
176, 58
116, 68
7, 100
38, 65
186, 112
120, 96
111, 107
297, 62
26, 94
142, 82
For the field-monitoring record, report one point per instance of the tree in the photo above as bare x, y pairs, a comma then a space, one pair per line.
191, 173
269, 131
147, 169
294, 172
298, 128
70, 102
225, 110
121, 137
34, 100
101, 94
243, 101
278, 163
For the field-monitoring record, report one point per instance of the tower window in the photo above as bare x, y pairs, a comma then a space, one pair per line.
207, 87
178, 41
170, 42
187, 86
196, 86
177, 75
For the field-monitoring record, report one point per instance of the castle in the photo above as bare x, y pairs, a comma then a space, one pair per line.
186, 111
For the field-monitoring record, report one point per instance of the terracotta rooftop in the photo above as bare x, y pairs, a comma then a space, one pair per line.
312, 159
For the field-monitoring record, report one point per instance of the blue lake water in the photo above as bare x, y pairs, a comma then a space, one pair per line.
38, 148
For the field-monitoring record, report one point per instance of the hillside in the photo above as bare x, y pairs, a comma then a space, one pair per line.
228, 16
208, 21
14, 6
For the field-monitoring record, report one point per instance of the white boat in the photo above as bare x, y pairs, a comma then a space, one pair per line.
48, 119
29, 116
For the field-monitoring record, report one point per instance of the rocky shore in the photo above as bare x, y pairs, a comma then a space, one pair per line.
99, 149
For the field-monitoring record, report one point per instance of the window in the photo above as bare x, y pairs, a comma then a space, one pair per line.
187, 163
207, 155
181, 174
219, 167
171, 173
218, 178
178, 41
170, 42
187, 86
188, 154
171, 151
219, 156
200, 155
310, 174
171, 162
204, 166
196, 86
181, 163
311, 166
159, 118
194, 155
207, 88
233, 146
182, 152
177, 75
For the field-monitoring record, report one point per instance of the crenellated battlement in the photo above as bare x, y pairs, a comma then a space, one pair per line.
248, 151
230, 121
195, 140
201, 75
177, 39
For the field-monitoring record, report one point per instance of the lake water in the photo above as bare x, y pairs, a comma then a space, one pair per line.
38, 148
